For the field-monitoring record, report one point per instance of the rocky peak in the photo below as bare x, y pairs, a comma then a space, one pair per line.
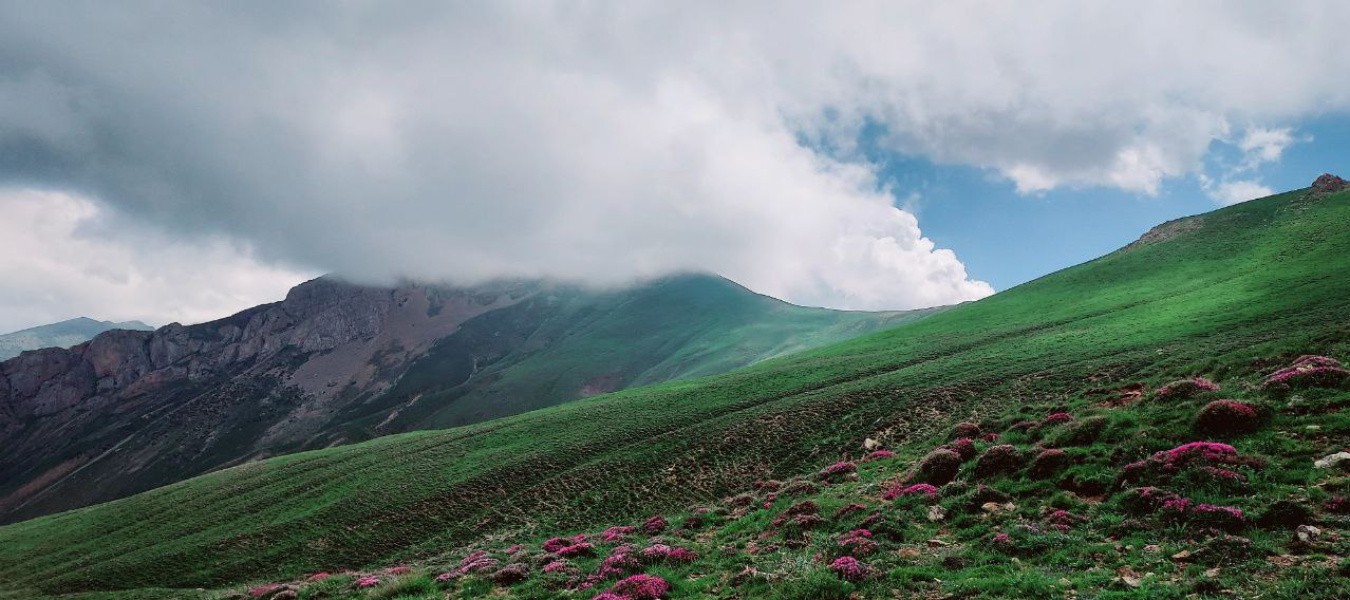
1327, 184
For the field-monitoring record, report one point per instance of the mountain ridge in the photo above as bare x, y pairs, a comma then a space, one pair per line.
335, 362
62, 334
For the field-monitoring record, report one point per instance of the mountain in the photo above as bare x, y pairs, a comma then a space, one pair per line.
741, 464
335, 363
60, 335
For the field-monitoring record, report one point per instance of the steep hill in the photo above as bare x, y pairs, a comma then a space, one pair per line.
60, 335
335, 363
1234, 295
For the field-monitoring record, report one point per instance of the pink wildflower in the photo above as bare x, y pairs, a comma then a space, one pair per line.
264, 590
641, 587
317, 577
897, 491
617, 533
368, 581
849, 568
655, 525
1057, 418
878, 455
837, 470
578, 549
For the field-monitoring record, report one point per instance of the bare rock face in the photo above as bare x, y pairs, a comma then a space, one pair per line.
1327, 184
189, 398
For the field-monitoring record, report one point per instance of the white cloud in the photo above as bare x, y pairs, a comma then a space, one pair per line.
1232, 192
612, 141
1262, 145
62, 257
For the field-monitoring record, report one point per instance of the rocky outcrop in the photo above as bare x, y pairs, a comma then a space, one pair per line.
1327, 184
283, 365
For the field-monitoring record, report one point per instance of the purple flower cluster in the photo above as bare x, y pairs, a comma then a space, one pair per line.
368, 581
637, 587
858, 542
476, 562
1309, 371
849, 568
1185, 388
617, 533
897, 491
1227, 417
1056, 419
655, 525
965, 447
837, 470
878, 455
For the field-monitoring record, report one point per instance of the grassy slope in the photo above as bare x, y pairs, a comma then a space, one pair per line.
1260, 279
676, 328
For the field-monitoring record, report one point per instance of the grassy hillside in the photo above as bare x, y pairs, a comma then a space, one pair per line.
1231, 295
573, 342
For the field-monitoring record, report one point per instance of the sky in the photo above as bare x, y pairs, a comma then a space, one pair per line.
182, 161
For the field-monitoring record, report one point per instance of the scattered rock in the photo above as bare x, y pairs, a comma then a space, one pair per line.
908, 553
936, 543
1183, 555
1307, 533
936, 513
1129, 577
1331, 460
1153, 548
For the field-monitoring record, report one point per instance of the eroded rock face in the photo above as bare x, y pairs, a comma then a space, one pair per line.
190, 398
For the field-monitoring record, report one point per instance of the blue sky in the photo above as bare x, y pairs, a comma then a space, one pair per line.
1006, 238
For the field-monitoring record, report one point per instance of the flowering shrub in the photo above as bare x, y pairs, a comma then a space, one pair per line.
655, 525
1146, 500
617, 533
1201, 462
447, 577
1183, 389
849, 509
800, 487
1227, 418
511, 574
641, 587
768, 485
618, 565
837, 471
1062, 520
897, 491
1309, 371
990, 437
265, 590
937, 467
317, 577
1056, 419
849, 569
368, 581
858, 542
558, 566
965, 447
879, 455
1002, 541
555, 544
965, 430
1048, 463
1222, 517
998, 460
1025, 425
656, 552
578, 549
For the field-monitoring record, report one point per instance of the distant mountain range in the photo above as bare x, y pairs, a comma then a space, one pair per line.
336, 362
60, 335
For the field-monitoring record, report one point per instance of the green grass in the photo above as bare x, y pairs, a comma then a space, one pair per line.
1259, 283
